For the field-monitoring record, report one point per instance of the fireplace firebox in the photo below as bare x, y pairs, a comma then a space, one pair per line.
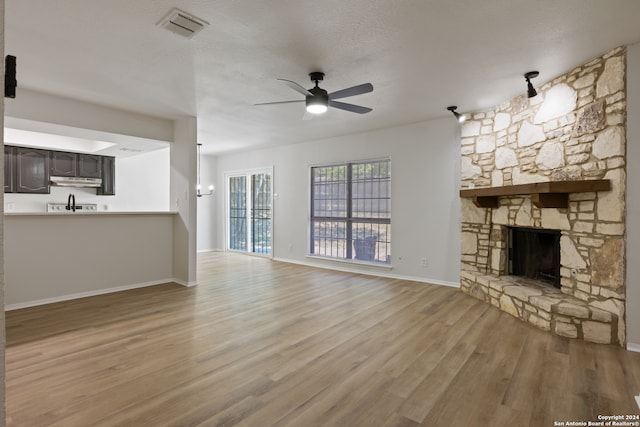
535, 253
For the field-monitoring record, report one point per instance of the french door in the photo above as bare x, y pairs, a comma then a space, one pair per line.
249, 214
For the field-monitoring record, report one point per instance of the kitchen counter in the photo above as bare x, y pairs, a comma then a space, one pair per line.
56, 256
90, 213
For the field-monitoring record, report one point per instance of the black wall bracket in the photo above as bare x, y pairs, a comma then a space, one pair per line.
10, 82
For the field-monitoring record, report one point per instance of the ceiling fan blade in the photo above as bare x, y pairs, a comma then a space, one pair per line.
278, 102
352, 91
349, 107
295, 86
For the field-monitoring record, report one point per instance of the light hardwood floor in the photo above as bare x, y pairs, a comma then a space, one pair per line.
265, 343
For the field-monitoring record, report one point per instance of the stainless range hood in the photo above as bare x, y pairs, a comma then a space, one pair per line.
70, 181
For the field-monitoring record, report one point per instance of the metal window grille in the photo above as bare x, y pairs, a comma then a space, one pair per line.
351, 211
238, 213
261, 214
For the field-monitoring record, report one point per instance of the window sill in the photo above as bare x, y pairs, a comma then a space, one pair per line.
351, 261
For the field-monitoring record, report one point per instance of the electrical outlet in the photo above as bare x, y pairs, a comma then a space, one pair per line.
424, 262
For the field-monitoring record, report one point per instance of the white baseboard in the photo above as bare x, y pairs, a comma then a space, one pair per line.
183, 283
377, 273
633, 347
68, 297
200, 251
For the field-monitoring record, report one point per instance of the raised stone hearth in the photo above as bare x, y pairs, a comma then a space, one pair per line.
573, 131
544, 306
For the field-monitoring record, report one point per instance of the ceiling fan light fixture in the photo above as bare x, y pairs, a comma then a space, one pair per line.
318, 102
459, 117
317, 108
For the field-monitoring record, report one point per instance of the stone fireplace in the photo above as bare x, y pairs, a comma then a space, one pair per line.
573, 133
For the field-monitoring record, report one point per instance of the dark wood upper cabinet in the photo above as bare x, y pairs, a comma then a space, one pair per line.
32, 170
108, 187
89, 166
63, 163
9, 169
28, 170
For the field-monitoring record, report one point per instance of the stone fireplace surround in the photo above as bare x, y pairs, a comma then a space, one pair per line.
573, 130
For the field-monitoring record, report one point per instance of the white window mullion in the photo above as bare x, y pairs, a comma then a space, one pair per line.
249, 203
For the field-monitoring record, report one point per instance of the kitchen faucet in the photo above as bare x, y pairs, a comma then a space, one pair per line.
71, 202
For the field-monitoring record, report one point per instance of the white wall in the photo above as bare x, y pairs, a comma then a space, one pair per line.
206, 206
633, 197
56, 257
43, 112
182, 197
142, 184
425, 161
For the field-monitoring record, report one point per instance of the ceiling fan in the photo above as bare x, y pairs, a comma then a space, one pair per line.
317, 100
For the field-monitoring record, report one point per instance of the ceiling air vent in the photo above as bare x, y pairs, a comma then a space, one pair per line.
182, 23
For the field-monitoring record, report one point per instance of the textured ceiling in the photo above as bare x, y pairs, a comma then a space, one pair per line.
420, 56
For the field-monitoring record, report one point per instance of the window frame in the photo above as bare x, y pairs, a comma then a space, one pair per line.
349, 220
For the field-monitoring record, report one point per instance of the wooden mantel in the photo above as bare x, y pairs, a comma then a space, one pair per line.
553, 194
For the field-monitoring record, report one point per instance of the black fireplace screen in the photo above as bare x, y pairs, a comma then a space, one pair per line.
535, 253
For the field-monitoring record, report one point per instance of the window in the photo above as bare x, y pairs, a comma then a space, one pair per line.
351, 211
249, 215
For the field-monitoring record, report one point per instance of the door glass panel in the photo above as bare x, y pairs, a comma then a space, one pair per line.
238, 213
261, 213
